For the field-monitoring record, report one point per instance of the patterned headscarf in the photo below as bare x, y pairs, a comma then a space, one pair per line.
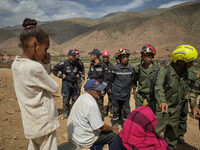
138, 131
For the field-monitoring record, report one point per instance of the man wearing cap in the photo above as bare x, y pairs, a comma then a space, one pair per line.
108, 75
85, 125
97, 71
68, 71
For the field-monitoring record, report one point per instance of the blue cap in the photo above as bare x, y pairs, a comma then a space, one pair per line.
71, 53
93, 85
95, 52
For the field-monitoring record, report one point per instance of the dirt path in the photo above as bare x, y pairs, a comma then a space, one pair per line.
12, 134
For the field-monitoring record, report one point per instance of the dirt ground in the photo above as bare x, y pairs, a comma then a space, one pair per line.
12, 134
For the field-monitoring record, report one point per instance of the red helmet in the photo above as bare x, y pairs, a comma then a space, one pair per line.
123, 51
148, 49
76, 50
105, 53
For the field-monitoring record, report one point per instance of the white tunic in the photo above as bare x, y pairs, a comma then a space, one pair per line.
33, 87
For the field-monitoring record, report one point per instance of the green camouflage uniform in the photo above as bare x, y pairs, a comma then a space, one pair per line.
172, 94
184, 110
195, 91
143, 76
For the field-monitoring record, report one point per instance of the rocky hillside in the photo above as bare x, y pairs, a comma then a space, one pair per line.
162, 28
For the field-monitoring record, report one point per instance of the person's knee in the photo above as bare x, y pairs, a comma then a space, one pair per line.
111, 137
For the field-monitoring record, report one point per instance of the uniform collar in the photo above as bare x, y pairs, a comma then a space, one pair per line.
121, 66
97, 63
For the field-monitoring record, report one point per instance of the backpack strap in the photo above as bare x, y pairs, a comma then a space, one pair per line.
153, 80
167, 75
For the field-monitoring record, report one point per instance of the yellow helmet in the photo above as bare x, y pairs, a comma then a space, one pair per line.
186, 53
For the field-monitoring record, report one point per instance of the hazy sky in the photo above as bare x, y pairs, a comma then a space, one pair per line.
13, 12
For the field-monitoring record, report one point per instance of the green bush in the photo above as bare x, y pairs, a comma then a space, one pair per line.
5, 64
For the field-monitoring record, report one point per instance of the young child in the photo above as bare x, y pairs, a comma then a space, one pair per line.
33, 87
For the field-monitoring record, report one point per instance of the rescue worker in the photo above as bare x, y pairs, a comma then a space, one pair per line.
169, 98
122, 82
69, 72
194, 84
143, 75
108, 73
97, 72
81, 77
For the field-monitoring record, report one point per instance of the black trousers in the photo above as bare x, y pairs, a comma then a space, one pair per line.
109, 106
69, 91
79, 83
121, 110
105, 137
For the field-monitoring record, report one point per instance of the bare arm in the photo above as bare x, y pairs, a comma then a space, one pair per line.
109, 128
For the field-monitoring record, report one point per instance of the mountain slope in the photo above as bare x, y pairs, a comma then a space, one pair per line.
163, 28
172, 27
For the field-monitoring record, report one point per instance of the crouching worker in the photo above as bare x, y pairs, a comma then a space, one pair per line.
139, 132
85, 125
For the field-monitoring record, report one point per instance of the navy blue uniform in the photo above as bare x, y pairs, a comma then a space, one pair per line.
69, 84
108, 77
121, 90
81, 73
97, 72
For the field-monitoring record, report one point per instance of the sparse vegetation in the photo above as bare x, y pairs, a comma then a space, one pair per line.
5, 64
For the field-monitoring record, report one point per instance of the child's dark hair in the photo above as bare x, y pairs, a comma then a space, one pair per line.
30, 30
